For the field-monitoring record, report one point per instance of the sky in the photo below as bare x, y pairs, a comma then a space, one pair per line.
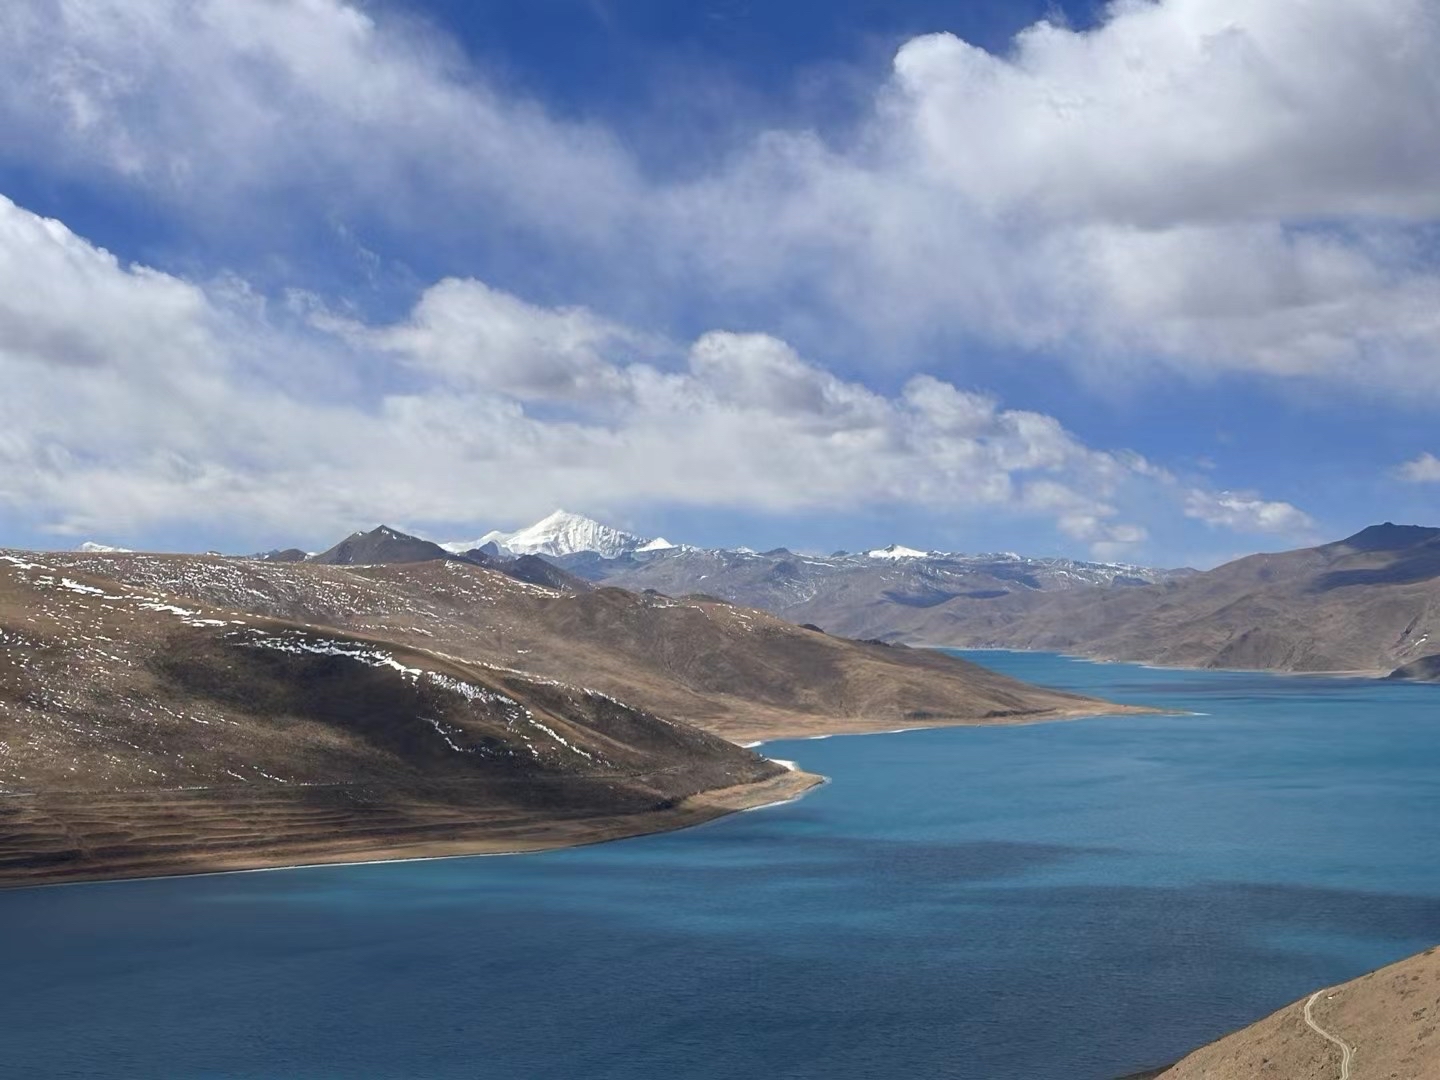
1155, 281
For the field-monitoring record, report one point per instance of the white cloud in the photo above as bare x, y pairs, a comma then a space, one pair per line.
167, 409
1183, 111
308, 100
68, 301
1247, 512
481, 338
1198, 185
1424, 469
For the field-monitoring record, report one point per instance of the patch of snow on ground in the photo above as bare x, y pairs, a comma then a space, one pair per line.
324, 647
171, 609
21, 564
562, 741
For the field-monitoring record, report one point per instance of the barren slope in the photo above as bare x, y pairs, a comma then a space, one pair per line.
140, 735
741, 673
1389, 1018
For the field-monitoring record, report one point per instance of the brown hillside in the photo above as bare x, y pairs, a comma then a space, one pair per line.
1390, 1019
139, 735
740, 673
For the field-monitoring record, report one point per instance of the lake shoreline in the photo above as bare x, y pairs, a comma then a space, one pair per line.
1363, 674
1089, 708
522, 839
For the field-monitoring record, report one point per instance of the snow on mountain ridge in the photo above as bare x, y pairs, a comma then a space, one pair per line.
896, 551
564, 533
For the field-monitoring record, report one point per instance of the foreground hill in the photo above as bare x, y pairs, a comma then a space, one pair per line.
740, 673
1369, 603
178, 713
1387, 1019
142, 735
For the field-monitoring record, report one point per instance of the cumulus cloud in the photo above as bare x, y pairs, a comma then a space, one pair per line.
68, 302
1247, 512
310, 100
478, 337
1194, 185
1185, 110
1424, 469
135, 399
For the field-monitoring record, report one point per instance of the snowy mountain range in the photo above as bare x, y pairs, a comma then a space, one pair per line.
563, 533
896, 551
893, 592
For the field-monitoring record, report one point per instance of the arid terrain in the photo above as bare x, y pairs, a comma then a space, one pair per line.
1381, 1026
737, 672
163, 714
141, 735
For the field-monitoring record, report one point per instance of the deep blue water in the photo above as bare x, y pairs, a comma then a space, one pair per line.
1069, 900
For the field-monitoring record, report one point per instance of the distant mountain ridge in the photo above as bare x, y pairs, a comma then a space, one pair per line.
1368, 603
562, 535
883, 593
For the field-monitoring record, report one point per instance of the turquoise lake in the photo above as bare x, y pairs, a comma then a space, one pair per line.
1051, 902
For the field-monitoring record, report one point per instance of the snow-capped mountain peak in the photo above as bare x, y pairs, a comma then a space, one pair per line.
564, 533
90, 547
896, 551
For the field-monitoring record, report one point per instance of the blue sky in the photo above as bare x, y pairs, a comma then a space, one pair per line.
1155, 281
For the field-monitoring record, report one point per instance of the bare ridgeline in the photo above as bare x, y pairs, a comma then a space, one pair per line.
177, 713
